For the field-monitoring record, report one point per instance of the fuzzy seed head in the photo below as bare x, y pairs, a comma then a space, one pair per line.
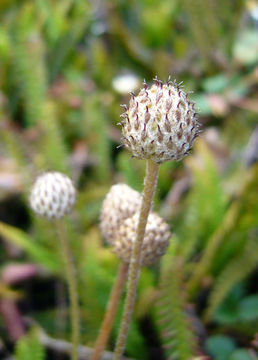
120, 203
155, 242
160, 123
53, 195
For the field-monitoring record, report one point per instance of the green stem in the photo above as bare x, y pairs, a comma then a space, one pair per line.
150, 183
72, 287
110, 313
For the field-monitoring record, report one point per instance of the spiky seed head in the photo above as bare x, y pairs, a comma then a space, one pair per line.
155, 242
160, 123
53, 195
120, 203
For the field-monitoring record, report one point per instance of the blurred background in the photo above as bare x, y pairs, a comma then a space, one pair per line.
65, 68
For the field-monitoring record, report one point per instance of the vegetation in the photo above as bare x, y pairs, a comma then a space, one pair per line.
64, 71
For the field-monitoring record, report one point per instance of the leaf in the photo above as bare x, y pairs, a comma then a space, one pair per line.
202, 217
216, 83
97, 135
29, 348
220, 347
228, 311
248, 308
173, 323
241, 354
25, 242
28, 61
240, 217
236, 270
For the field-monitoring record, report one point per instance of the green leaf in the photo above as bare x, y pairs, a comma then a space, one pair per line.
29, 348
25, 242
216, 83
173, 323
220, 347
235, 271
248, 309
241, 354
228, 311
202, 217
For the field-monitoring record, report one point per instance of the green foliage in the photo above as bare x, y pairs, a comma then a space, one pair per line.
29, 348
220, 347
59, 110
17, 149
73, 29
236, 270
241, 215
128, 168
25, 242
248, 309
97, 134
28, 63
52, 142
98, 268
173, 323
241, 354
202, 216
208, 20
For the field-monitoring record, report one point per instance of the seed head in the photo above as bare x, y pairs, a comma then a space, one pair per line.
155, 243
160, 123
120, 203
53, 195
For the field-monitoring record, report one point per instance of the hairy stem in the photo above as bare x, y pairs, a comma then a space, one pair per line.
150, 183
111, 309
72, 287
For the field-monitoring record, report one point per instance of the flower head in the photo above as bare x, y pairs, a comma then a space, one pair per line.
160, 123
155, 242
53, 195
118, 223
120, 203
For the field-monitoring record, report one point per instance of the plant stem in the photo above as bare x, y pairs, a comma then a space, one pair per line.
72, 287
110, 313
150, 183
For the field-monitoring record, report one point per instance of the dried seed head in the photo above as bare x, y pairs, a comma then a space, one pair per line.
53, 195
120, 203
155, 243
160, 123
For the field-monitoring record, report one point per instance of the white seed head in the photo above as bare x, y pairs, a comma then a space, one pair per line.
120, 203
155, 242
53, 195
160, 123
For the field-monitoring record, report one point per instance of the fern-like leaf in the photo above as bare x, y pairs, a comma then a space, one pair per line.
173, 323
52, 147
29, 348
28, 63
96, 127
